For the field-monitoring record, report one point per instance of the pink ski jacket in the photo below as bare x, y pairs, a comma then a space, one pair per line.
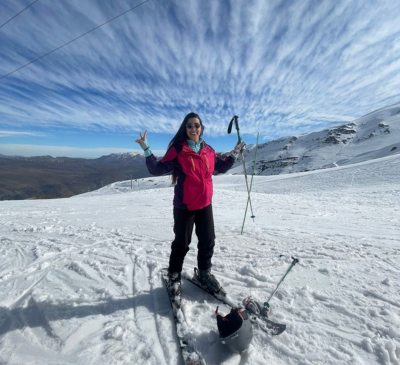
194, 188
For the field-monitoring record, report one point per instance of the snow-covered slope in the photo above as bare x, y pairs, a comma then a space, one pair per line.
80, 284
372, 136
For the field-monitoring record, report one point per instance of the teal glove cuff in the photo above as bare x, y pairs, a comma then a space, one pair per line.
146, 145
146, 148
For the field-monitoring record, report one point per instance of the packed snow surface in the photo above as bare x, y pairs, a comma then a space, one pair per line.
80, 281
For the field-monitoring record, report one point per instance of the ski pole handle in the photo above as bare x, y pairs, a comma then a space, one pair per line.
235, 119
236, 122
294, 262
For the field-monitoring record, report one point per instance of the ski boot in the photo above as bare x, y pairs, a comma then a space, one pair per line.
254, 307
174, 284
208, 281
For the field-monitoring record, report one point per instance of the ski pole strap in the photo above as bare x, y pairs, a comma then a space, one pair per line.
235, 119
230, 126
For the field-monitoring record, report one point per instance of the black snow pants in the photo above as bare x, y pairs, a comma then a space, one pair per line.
184, 220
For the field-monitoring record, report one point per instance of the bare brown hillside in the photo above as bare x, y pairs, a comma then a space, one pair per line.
48, 177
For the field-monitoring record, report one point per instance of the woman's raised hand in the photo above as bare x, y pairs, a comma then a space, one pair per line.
142, 141
239, 148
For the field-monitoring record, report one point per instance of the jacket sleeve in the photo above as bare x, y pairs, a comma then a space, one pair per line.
164, 166
222, 166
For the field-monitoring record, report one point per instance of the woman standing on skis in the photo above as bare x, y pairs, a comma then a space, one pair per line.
192, 163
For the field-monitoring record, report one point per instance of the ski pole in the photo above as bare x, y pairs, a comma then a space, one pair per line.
294, 262
251, 183
235, 119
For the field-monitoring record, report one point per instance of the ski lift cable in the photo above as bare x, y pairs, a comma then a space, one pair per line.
73, 40
1, 26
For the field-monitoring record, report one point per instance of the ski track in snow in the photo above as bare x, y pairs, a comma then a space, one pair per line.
80, 283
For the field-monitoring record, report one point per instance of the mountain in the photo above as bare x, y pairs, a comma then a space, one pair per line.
60, 177
372, 136
4, 156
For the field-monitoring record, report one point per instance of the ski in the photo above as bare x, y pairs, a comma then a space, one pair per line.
189, 354
265, 324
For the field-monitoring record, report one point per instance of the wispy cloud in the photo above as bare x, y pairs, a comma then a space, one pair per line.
20, 134
283, 67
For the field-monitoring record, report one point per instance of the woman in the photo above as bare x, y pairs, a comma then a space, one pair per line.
192, 163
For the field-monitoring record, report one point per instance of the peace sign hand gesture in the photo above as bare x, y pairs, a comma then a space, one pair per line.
142, 141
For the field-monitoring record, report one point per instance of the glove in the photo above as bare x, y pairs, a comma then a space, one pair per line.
146, 148
144, 145
238, 148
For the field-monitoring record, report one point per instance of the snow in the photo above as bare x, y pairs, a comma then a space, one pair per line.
80, 282
373, 136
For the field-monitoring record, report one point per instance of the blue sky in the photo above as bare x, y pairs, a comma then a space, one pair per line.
285, 67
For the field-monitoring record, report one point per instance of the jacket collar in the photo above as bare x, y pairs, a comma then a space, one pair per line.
187, 148
195, 146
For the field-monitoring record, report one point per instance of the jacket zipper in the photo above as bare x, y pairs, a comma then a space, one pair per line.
208, 166
191, 158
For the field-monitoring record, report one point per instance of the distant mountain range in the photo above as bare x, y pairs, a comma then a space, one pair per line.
49, 177
372, 136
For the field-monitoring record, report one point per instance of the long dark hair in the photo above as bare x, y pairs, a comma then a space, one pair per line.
181, 136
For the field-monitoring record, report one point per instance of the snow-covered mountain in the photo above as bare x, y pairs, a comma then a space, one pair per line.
130, 157
372, 136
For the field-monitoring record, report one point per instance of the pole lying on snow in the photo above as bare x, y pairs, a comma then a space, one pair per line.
294, 262
235, 119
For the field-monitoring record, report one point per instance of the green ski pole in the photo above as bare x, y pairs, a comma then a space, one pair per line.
251, 183
294, 262
235, 119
